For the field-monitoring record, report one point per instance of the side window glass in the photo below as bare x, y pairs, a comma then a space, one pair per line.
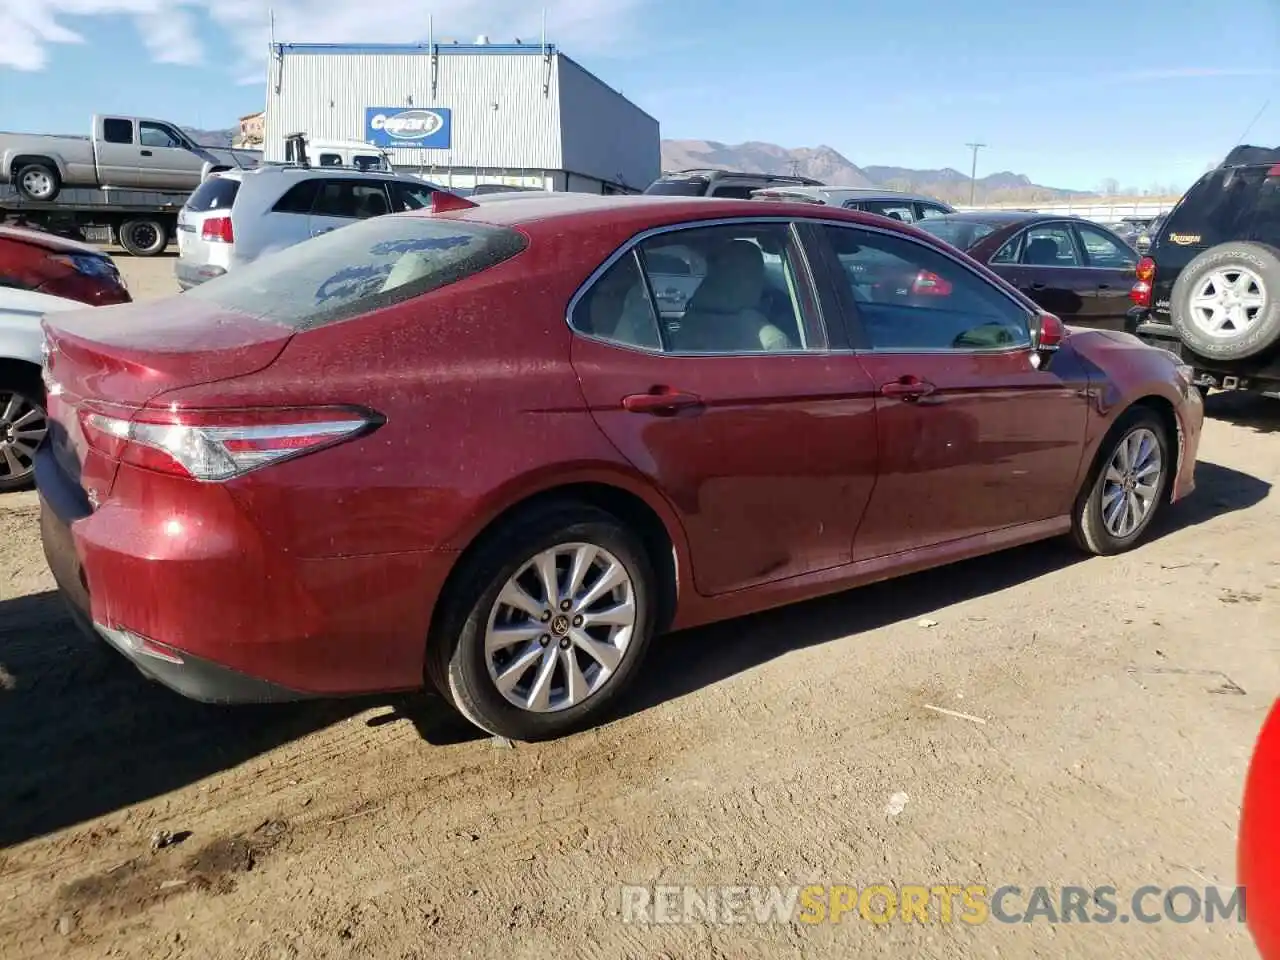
155, 135
370, 199
891, 209
1104, 250
300, 198
355, 200
116, 130
408, 196
733, 193
1049, 246
617, 308
910, 297
330, 160
364, 161
928, 211
1010, 252
728, 289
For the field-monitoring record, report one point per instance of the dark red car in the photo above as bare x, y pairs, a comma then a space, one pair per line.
1259, 850
1078, 270
46, 263
470, 448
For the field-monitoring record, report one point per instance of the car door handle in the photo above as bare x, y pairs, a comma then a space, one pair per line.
145, 153
907, 388
1104, 286
661, 402
1037, 286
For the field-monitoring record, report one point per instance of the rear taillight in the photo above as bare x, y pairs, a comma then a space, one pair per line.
218, 229
930, 285
1140, 295
212, 445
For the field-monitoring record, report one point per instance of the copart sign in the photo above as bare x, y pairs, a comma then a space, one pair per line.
426, 128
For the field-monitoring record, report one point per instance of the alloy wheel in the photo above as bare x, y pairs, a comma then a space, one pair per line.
1228, 301
1131, 483
22, 427
560, 627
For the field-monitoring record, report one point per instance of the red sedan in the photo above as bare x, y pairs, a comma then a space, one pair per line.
469, 447
47, 263
1259, 851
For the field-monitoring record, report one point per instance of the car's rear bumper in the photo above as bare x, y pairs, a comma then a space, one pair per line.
190, 274
1258, 373
198, 602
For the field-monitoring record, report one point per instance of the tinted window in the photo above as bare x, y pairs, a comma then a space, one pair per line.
409, 196
355, 199
678, 188
1049, 246
364, 161
617, 307
216, 193
1104, 250
156, 135
117, 131
733, 193
961, 234
910, 297
359, 268
330, 160
300, 198
928, 211
1219, 207
894, 210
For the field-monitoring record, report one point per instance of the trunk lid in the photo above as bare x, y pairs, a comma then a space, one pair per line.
120, 358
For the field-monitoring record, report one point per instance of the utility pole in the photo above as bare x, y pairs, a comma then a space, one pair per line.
973, 174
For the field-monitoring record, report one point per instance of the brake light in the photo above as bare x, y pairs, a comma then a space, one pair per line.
214, 445
1140, 294
218, 229
930, 285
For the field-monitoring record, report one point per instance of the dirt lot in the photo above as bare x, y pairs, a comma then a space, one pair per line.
1120, 699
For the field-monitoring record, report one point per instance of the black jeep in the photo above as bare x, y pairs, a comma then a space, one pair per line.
1209, 287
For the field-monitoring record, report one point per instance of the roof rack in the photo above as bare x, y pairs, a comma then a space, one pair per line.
717, 172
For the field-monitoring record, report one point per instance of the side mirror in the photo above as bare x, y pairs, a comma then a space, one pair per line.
1047, 333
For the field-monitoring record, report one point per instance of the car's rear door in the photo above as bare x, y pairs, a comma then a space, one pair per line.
973, 436
1045, 263
733, 401
1111, 265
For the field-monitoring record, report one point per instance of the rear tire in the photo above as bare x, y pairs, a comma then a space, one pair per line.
38, 181
23, 424
1112, 512
547, 648
143, 237
1226, 303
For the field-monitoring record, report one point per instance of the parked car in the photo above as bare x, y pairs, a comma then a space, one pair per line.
459, 447
47, 263
123, 152
299, 149
1209, 287
906, 207
1076, 269
1258, 848
22, 397
234, 218
727, 184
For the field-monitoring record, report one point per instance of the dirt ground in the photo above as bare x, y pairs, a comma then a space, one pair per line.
1120, 700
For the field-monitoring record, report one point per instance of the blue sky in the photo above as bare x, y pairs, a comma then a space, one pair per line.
1140, 92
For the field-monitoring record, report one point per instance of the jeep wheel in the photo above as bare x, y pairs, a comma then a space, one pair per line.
1226, 303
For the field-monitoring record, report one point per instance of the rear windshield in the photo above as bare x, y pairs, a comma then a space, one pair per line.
358, 268
961, 234
678, 188
216, 193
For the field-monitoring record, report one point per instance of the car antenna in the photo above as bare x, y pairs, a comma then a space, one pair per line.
1255, 119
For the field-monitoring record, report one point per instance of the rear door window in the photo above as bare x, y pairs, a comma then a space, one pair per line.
894, 210
409, 196
363, 267
352, 199
1049, 246
299, 198
1103, 250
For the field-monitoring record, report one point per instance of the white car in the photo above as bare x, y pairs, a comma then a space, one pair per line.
235, 217
22, 419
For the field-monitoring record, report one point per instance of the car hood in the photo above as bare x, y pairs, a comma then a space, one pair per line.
49, 241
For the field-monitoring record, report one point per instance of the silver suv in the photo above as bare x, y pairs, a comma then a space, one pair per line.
907, 207
235, 217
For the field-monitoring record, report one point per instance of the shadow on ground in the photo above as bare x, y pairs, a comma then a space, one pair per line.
1259, 413
84, 734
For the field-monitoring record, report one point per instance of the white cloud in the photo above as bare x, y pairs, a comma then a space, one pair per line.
171, 28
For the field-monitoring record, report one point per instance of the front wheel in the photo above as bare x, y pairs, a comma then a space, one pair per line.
547, 625
1127, 485
23, 425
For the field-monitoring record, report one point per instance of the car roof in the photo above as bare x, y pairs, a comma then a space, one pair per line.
300, 173
1001, 218
50, 241
848, 193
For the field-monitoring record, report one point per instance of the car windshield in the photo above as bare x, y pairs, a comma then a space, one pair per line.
961, 234
677, 188
362, 267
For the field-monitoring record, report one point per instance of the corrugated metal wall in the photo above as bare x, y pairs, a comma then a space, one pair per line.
326, 94
605, 134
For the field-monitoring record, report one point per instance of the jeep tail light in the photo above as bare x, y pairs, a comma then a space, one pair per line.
218, 229
214, 445
1140, 294
930, 285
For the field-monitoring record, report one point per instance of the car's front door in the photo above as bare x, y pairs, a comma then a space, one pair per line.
731, 401
167, 157
1111, 266
973, 436
1044, 262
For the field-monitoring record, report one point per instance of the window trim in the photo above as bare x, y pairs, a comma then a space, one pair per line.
817, 327
859, 343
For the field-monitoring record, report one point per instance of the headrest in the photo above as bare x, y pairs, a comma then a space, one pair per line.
734, 281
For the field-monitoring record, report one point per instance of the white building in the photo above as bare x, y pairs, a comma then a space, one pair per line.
462, 114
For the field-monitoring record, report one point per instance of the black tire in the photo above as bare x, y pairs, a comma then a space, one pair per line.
25, 383
38, 171
456, 662
1089, 528
143, 237
1262, 334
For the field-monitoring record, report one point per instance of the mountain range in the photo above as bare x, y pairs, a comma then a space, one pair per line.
832, 167
819, 163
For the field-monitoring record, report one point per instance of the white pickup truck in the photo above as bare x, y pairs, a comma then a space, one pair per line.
128, 153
